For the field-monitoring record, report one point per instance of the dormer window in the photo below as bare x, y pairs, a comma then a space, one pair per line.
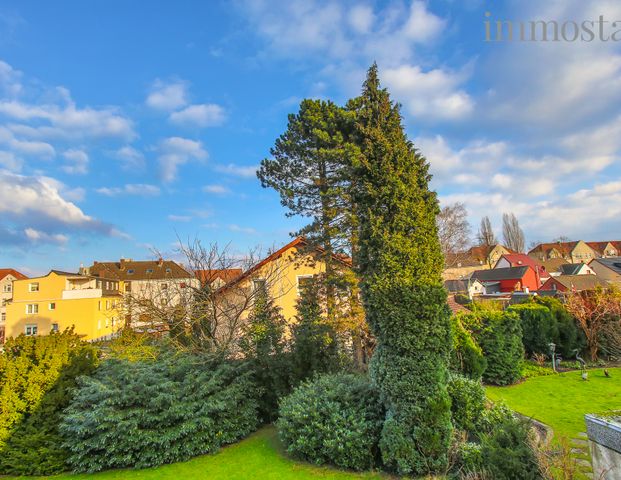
168, 270
149, 270
130, 271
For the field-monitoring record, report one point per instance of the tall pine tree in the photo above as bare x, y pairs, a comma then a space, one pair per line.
400, 263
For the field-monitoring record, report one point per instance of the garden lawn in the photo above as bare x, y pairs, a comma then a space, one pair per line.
258, 456
561, 400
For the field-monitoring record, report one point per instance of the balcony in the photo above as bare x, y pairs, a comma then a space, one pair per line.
75, 294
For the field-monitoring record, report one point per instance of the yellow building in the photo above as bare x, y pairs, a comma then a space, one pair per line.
60, 300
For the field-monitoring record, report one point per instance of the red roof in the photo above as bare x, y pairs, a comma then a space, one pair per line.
519, 259
454, 306
224, 274
9, 271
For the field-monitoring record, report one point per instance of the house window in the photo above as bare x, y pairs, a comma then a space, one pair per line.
164, 286
107, 323
32, 308
99, 324
52, 306
128, 287
99, 305
107, 304
303, 282
33, 287
168, 270
7, 288
3, 317
149, 270
98, 283
54, 327
130, 272
31, 329
259, 285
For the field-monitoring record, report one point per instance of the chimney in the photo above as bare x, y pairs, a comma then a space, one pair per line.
160, 262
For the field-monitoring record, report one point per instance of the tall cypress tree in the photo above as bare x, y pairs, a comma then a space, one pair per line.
400, 263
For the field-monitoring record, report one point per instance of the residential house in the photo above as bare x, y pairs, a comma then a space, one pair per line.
7, 276
506, 280
607, 269
519, 259
553, 266
476, 258
217, 278
610, 248
576, 269
572, 283
60, 300
573, 252
470, 287
146, 284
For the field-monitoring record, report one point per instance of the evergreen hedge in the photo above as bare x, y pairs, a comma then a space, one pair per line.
142, 414
539, 327
466, 357
499, 334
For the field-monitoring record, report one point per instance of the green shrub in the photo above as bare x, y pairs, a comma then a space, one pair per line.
530, 370
507, 454
29, 368
493, 415
466, 357
35, 445
569, 336
142, 414
463, 299
538, 327
469, 458
467, 402
334, 419
499, 335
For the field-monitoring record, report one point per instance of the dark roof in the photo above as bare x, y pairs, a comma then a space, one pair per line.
579, 282
570, 268
497, 274
127, 269
613, 263
457, 286
64, 274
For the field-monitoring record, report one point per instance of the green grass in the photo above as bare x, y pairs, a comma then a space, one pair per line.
561, 400
259, 456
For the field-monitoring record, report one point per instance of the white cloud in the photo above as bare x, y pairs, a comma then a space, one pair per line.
176, 151
422, 25
216, 189
433, 94
39, 203
79, 162
9, 161
501, 180
203, 115
137, 189
167, 96
361, 18
37, 236
10, 80
179, 218
131, 159
26, 147
239, 229
244, 171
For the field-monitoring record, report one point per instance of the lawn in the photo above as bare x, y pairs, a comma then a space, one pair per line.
258, 456
561, 400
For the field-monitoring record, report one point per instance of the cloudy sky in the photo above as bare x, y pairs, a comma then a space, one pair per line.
124, 127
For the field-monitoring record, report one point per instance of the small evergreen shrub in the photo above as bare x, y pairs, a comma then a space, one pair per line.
463, 299
334, 419
539, 327
569, 336
147, 413
507, 453
466, 357
467, 402
469, 458
494, 415
499, 335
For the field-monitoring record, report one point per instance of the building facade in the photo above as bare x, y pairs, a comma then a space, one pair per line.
60, 300
7, 276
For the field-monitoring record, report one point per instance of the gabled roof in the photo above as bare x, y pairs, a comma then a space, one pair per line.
9, 271
457, 286
474, 256
225, 274
570, 268
613, 263
564, 248
600, 247
519, 259
497, 274
578, 282
127, 269
554, 264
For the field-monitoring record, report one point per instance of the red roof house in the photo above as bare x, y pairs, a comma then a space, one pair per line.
521, 259
506, 280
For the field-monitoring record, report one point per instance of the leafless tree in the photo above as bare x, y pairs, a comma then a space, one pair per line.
207, 313
595, 311
486, 236
512, 234
453, 232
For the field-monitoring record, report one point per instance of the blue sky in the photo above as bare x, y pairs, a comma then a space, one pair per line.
124, 125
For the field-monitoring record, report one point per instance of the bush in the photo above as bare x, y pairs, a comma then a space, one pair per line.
569, 336
530, 370
538, 327
463, 299
467, 402
469, 458
494, 415
29, 368
466, 357
35, 446
499, 335
333, 419
142, 414
507, 454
